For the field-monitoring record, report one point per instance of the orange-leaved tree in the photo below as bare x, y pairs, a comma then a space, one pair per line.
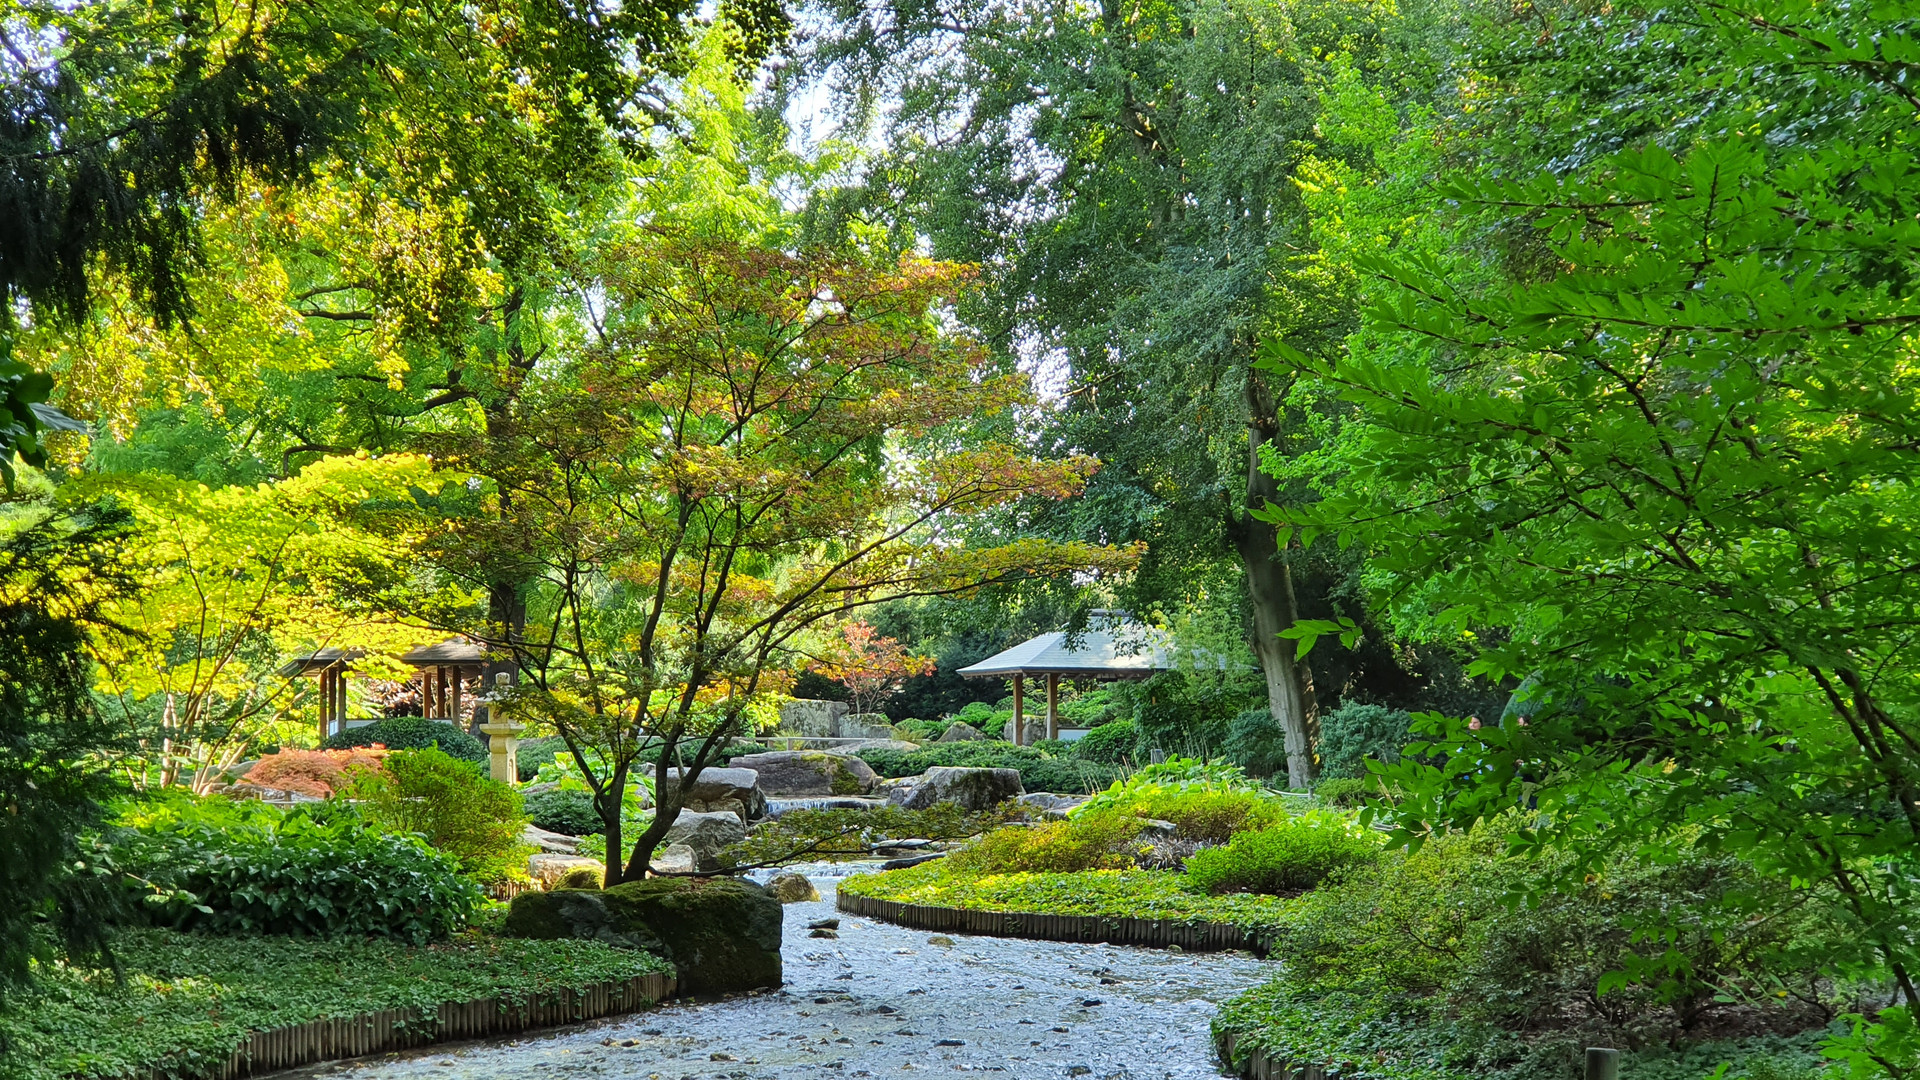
745, 446
871, 667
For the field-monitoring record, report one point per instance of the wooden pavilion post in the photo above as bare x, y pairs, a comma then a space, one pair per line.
1019, 711
459, 677
1053, 705
326, 702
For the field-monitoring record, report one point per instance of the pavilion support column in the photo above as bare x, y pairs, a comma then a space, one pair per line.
1053, 706
440, 692
1019, 711
459, 678
339, 703
326, 702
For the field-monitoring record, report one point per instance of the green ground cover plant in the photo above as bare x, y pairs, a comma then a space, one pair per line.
188, 1000
1460, 961
323, 869
1087, 842
1147, 894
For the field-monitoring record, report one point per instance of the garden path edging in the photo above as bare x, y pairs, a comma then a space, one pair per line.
1259, 1066
399, 1029
1111, 929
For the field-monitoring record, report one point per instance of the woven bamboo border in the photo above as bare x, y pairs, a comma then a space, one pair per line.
1258, 1066
1114, 930
398, 1029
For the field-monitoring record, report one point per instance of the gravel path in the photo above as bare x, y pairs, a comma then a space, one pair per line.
885, 1001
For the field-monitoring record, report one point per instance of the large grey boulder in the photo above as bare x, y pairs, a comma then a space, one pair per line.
804, 716
867, 725
706, 834
969, 789
787, 774
1050, 806
728, 789
961, 731
551, 842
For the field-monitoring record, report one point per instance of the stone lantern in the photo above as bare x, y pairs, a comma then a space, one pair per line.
503, 737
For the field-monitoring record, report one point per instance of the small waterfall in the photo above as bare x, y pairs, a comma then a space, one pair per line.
777, 807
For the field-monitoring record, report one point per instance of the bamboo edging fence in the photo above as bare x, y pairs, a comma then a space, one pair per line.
400, 1029
1259, 1066
1113, 930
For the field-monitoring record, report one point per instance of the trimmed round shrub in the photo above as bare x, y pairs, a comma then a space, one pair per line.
1258, 743
411, 733
1114, 744
534, 753
1288, 858
457, 807
1091, 842
318, 773
563, 811
323, 870
1354, 732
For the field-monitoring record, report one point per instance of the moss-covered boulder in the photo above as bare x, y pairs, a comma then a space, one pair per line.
576, 913
788, 774
722, 934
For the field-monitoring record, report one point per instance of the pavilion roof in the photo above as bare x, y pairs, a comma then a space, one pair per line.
453, 652
318, 660
1111, 647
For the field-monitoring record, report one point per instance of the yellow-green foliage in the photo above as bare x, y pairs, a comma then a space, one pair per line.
1091, 842
457, 807
1298, 854
1214, 816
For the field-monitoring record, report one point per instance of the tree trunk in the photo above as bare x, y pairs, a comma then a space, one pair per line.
1270, 594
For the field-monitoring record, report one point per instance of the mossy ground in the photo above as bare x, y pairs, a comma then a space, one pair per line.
1145, 894
189, 1000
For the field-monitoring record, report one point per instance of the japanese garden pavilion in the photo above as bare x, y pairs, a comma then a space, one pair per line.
444, 669
1112, 647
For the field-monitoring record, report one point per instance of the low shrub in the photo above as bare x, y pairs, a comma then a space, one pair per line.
1039, 770
456, 806
1683, 944
922, 731
411, 733
225, 867
1087, 842
1355, 732
318, 773
533, 753
563, 811
1171, 776
1210, 816
1297, 855
1346, 792
1257, 742
1112, 744
805, 834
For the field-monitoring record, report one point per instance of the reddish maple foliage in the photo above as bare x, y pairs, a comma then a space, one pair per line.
314, 772
872, 668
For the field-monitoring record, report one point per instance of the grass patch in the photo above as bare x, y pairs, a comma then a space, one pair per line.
189, 1000
1142, 894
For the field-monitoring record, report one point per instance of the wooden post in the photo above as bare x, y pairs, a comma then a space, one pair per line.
1602, 1064
326, 701
458, 679
1019, 711
1053, 706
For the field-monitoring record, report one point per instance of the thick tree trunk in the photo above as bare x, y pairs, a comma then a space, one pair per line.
1270, 594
